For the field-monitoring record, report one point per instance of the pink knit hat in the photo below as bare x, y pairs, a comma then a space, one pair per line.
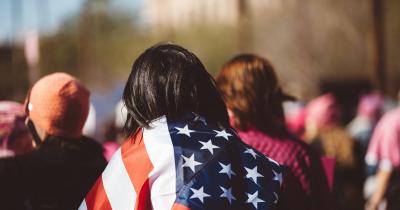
59, 104
323, 111
370, 105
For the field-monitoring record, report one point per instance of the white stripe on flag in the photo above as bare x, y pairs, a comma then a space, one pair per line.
118, 185
83, 205
161, 153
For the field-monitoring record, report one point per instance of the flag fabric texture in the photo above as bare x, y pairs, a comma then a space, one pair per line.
186, 164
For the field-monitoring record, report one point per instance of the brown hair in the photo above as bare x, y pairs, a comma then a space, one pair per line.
251, 91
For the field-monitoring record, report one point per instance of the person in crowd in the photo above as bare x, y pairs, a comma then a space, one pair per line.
384, 151
368, 113
254, 99
295, 117
112, 139
14, 136
64, 164
326, 134
89, 128
181, 152
114, 135
120, 116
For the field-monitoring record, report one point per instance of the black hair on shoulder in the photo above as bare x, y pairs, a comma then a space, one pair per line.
169, 80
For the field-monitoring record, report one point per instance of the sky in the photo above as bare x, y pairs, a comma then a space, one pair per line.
42, 15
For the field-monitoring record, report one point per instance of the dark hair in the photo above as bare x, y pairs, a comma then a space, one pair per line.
250, 88
169, 80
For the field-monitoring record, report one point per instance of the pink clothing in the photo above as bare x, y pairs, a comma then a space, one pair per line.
109, 149
295, 122
329, 167
305, 185
384, 148
12, 121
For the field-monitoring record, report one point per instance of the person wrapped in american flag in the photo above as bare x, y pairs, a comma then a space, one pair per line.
181, 153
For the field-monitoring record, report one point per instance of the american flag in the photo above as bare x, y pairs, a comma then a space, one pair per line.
186, 164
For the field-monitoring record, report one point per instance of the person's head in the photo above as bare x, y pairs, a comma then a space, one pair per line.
58, 105
252, 93
321, 113
169, 80
14, 136
370, 106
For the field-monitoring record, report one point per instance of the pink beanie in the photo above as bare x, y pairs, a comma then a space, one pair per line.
370, 105
59, 104
323, 111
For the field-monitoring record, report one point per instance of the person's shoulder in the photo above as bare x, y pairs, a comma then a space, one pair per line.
296, 143
391, 118
90, 144
89, 141
239, 170
300, 149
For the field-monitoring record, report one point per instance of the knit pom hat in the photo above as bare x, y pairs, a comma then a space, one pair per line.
58, 104
323, 111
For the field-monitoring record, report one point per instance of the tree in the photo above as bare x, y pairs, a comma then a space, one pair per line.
376, 43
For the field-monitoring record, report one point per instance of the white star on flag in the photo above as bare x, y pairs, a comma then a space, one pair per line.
226, 169
227, 193
253, 174
208, 145
223, 134
251, 152
277, 177
253, 199
190, 162
185, 130
199, 194
201, 119
272, 160
276, 198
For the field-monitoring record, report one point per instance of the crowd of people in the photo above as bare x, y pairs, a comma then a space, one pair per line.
185, 140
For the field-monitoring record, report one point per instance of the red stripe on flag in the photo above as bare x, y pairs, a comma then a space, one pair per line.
143, 200
178, 206
133, 154
97, 199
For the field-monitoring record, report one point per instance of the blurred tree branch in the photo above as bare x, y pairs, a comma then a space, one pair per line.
376, 44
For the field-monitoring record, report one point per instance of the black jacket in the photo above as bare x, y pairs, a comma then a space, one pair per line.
57, 175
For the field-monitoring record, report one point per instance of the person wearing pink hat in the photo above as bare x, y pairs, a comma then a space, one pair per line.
323, 130
369, 111
64, 164
14, 136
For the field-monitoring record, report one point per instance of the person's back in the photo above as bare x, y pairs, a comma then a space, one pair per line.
304, 173
188, 162
384, 154
57, 175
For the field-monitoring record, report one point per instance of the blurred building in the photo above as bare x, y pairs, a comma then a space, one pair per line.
14, 81
177, 14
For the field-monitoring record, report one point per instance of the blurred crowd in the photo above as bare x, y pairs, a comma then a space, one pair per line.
47, 163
